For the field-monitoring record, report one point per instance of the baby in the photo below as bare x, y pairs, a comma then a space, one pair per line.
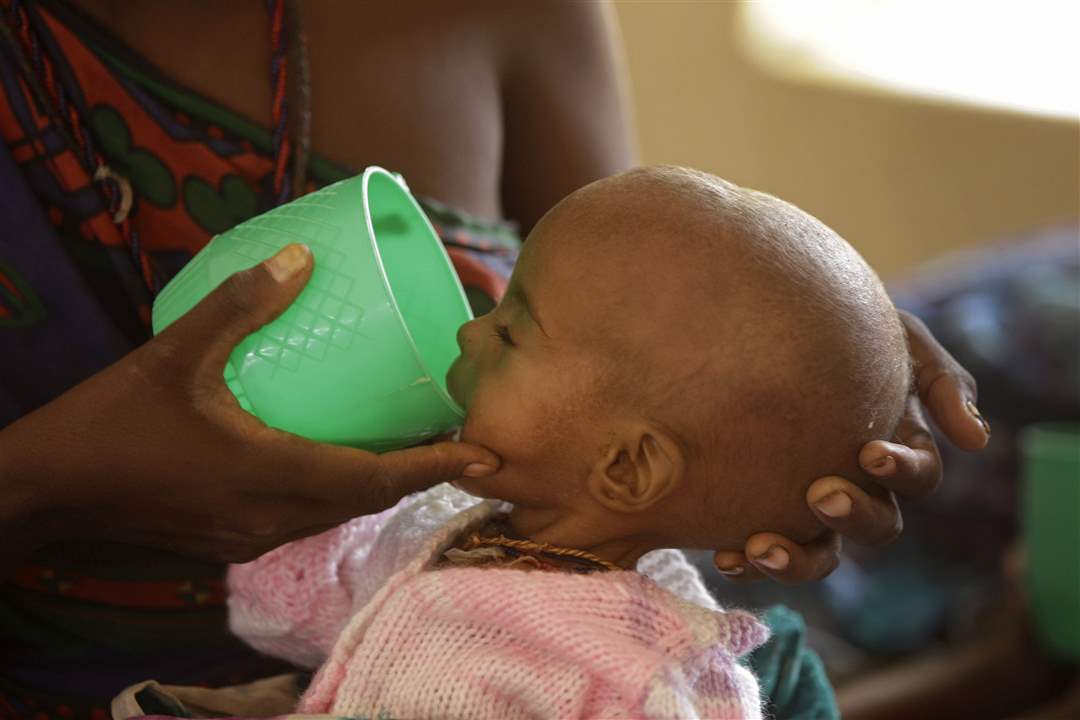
675, 361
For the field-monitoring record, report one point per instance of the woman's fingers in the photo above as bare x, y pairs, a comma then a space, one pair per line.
734, 566
769, 555
417, 468
855, 514
910, 472
783, 560
242, 304
910, 466
950, 402
945, 388
363, 482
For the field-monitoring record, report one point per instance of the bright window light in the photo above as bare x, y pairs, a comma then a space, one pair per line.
1023, 55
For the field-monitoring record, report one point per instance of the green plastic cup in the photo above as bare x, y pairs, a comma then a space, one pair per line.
360, 357
1051, 514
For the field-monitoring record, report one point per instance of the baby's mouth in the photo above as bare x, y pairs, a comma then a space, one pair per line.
452, 382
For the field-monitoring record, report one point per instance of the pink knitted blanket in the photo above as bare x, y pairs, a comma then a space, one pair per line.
397, 637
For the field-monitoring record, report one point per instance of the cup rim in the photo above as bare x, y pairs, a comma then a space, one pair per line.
398, 181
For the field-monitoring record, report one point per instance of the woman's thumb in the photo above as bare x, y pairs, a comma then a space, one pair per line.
417, 468
245, 302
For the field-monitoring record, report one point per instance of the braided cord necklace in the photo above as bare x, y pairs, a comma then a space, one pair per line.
38, 66
289, 49
537, 554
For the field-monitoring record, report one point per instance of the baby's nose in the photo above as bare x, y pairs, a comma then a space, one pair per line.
463, 334
460, 336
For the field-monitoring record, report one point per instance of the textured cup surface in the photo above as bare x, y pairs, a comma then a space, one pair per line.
360, 357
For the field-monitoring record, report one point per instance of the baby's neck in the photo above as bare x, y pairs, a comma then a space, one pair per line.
578, 533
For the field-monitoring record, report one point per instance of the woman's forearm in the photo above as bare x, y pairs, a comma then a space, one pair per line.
20, 535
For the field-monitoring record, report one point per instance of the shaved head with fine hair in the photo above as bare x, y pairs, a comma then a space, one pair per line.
747, 326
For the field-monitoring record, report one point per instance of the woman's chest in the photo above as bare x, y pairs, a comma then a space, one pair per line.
414, 89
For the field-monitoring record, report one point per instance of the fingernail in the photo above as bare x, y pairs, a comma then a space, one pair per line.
776, 558
883, 466
477, 470
731, 571
289, 261
835, 505
978, 416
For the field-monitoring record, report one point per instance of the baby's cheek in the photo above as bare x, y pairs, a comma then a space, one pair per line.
504, 421
523, 450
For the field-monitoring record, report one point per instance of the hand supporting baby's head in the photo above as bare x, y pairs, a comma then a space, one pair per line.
676, 361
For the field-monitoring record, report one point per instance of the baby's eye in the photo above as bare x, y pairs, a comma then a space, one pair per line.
502, 332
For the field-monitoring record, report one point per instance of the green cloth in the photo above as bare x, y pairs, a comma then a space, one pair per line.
792, 675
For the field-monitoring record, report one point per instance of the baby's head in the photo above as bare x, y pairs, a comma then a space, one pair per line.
675, 361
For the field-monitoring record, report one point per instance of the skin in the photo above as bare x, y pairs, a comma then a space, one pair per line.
503, 110
458, 90
478, 104
661, 403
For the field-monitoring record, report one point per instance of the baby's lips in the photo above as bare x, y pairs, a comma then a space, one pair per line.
449, 436
457, 381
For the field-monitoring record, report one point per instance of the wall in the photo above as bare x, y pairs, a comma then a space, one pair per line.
902, 179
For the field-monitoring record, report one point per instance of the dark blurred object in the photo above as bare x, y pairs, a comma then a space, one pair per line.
989, 678
1011, 315
1002, 672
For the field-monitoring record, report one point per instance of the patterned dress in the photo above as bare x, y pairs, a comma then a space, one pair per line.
81, 621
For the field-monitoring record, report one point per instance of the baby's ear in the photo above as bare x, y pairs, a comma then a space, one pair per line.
637, 470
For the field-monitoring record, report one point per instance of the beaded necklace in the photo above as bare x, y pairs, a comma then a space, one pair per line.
38, 67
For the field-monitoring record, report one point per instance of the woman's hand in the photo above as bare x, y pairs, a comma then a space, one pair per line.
910, 468
154, 450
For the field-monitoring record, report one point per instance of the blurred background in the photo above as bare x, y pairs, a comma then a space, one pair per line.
943, 141
905, 174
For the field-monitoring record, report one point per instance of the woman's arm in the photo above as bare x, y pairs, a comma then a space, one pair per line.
565, 104
21, 526
154, 450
